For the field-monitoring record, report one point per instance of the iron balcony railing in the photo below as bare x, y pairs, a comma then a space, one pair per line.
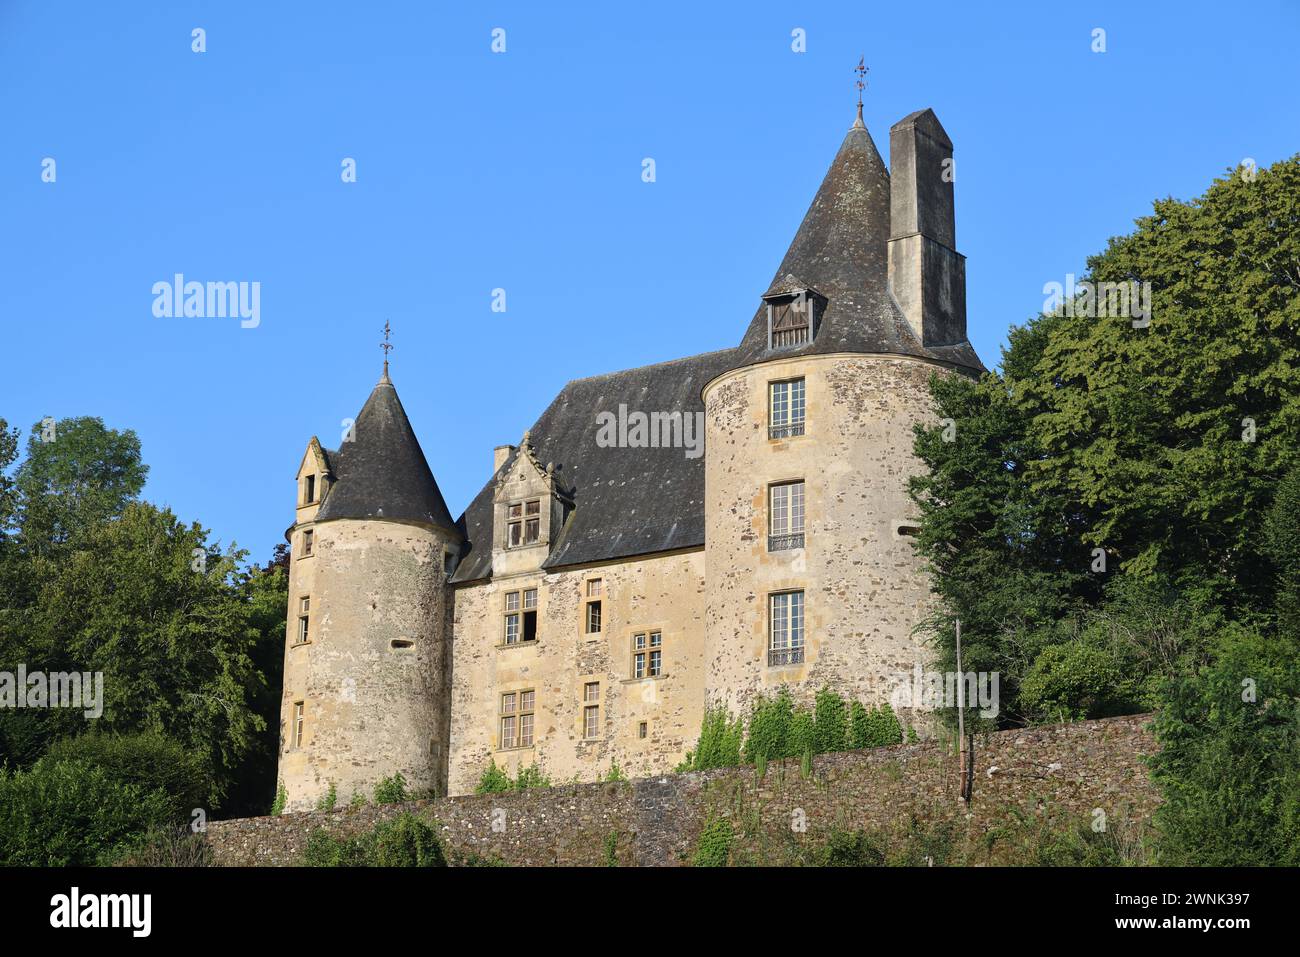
779, 543
785, 431
785, 656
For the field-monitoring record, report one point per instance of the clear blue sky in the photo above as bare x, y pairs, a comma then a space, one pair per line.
522, 171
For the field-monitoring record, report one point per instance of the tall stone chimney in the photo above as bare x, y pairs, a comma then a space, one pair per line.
926, 273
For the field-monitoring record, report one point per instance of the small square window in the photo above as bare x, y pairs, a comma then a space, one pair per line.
530, 598
593, 587
591, 691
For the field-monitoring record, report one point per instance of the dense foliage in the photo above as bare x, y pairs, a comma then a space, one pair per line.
1113, 514
188, 641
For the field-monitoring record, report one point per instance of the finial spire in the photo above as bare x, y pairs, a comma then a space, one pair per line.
387, 347
861, 70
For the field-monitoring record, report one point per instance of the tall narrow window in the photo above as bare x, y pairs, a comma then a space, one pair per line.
532, 521
307, 542
526, 699
593, 610
297, 724
509, 720
786, 408
786, 643
530, 614
309, 492
591, 709
785, 516
304, 620
512, 618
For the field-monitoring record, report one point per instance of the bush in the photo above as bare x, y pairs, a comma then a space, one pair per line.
830, 722
769, 727
329, 800
281, 799
63, 813
149, 761
168, 847
714, 847
494, 780
390, 790
719, 744
874, 728
404, 841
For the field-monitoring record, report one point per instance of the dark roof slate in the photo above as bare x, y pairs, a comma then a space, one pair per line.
382, 473
841, 250
627, 501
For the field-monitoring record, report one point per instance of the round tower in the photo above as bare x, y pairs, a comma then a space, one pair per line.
812, 579
368, 658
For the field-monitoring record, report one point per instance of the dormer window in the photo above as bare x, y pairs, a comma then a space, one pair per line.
523, 523
309, 490
792, 318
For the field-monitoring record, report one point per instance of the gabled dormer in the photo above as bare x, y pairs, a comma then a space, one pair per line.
794, 310
314, 480
529, 508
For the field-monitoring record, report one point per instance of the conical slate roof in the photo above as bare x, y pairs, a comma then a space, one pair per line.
841, 251
382, 471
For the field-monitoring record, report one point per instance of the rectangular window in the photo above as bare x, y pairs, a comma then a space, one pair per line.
521, 626
297, 724
517, 719
523, 523
526, 719
642, 729
790, 320
593, 587
785, 516
532, 521
304, 619
786, 643
309, 492
786, 408
647, 655
593, 617
591, 709
307, 537
514, 527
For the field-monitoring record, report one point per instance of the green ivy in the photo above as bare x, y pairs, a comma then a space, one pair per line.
714, 846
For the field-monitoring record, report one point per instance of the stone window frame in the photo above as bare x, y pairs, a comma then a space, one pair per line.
642, 730
522, 522
309, 489
646, 651
789, 427
590, 598
591, 710
303, 635
308, 542
516, 714
789, 537
519, 611
299, 722
790, 652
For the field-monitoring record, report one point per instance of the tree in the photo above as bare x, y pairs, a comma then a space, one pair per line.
76, 474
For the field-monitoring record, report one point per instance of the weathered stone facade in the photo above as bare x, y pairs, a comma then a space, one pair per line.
435, 646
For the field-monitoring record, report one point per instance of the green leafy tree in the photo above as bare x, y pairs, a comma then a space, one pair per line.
830, 722
1229, 758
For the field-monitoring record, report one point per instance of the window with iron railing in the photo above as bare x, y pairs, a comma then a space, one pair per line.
785, 516
785, 409
785, 644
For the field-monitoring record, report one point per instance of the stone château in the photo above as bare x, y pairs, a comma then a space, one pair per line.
598, 594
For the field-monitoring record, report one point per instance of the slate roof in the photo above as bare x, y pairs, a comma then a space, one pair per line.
382, 472
841, 251
627, 501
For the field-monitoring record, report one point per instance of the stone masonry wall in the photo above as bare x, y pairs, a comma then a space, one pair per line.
1069, 768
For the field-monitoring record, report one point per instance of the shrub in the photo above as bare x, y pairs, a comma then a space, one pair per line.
63, 813
531, 777
391, 790
714, 846
769, 727
830, 722
494, 780
281, 799
719, 744
615, 774
329, 800
404, 841
168, 847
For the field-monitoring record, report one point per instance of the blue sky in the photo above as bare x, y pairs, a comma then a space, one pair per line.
522, 171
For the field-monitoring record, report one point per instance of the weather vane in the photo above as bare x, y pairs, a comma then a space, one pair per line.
386, 346
861, 71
